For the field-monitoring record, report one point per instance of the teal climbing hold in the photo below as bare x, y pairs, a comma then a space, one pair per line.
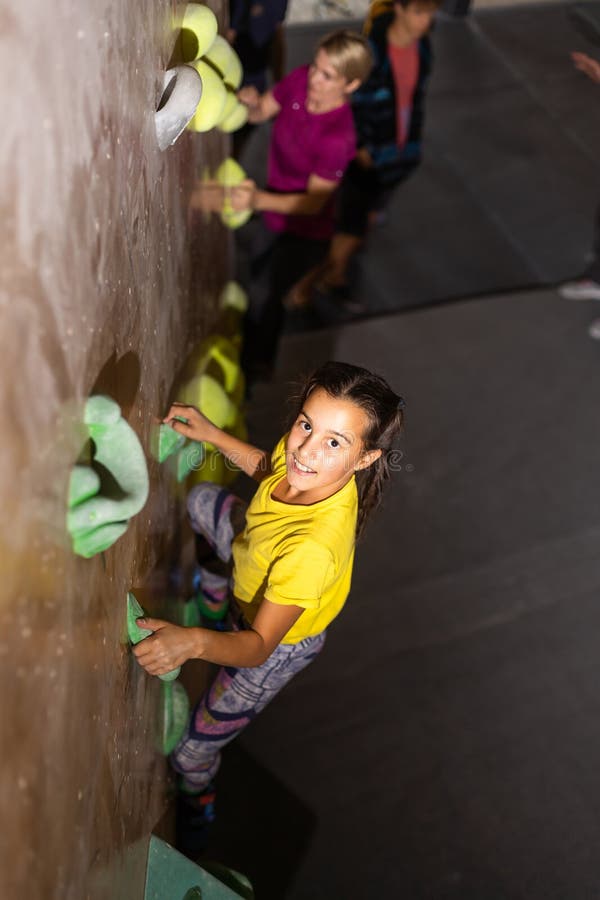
172, 675
119, 464
137, 634
175, 714
189, 459
194, 893
184, 456
135, 612
186, 612
165, 442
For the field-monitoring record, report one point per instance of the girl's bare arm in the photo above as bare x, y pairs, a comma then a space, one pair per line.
250, 459
308, 203
171, 645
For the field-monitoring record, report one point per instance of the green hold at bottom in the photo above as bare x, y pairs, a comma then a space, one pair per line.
175, 714
186, 612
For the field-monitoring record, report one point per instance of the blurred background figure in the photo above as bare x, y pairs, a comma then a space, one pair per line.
256, 35
312, 142
587, 286
388, 113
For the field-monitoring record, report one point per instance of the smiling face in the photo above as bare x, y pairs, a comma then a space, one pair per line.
325, 447
327, 89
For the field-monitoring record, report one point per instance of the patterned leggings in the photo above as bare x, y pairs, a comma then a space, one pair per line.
238, 694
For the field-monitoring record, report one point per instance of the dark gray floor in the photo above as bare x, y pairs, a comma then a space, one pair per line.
446, 743
445, 746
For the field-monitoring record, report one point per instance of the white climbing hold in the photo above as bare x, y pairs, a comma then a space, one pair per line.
182, 90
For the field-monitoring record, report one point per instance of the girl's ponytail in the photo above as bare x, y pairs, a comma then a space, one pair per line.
370, 482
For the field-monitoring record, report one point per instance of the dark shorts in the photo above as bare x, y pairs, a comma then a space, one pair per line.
362, 193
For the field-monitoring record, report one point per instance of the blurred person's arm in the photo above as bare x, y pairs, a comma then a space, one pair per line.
308, 203
587, 65
261, 107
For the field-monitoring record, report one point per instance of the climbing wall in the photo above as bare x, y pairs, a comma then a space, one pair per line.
106, 284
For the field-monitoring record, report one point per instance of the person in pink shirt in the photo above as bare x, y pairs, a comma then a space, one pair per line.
313, 141
388, 114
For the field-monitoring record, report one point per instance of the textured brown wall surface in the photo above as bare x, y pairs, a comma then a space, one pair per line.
95, 265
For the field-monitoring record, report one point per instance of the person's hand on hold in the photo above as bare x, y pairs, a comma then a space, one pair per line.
167, 648
249, 96
207, 196
587, 65
189, 421
243, 195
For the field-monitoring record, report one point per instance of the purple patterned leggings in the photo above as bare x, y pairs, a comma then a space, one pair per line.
237, 695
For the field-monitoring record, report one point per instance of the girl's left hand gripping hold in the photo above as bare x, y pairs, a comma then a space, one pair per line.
170, 646
195, 426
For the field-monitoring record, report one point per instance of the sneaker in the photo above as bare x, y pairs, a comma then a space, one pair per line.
212, 605
336, 305
594, 330
583, 289
194, 817
336, 293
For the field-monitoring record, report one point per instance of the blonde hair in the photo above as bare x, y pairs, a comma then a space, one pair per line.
349, 53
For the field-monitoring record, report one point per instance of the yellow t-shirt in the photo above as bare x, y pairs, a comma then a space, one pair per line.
296, 555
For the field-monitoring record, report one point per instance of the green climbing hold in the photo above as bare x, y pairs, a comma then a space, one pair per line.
119, 464
83, 484
194, 893
135, 612
166, 441
175, 714
172, 675
189, 459
137, 634
186, 612
97, 540
101, 410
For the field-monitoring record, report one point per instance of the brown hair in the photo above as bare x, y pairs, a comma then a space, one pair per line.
385, 412
381, 7
349, 53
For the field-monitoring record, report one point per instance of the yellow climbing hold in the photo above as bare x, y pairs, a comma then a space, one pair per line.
220, 352
229, 174
211, 399
212, 102
233, 296
231, 103
235, 120
223, 57
198, 31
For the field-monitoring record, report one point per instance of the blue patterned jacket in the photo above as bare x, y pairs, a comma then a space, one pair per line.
374, 108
